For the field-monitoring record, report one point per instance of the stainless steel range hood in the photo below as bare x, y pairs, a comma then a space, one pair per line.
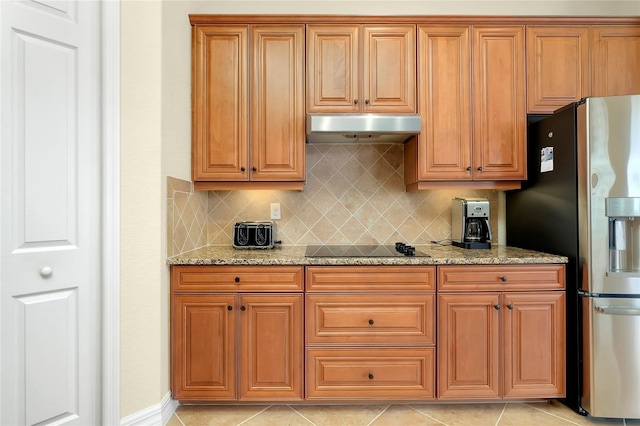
362, 128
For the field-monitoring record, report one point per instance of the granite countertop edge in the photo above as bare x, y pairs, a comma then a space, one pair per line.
295, 255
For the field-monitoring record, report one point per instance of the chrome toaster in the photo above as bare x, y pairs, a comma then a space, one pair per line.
253, 235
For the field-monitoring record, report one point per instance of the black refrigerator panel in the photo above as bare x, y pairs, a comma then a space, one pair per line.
543, 216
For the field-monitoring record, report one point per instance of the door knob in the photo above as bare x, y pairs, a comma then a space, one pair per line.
46, 272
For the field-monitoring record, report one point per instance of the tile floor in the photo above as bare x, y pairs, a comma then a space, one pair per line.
537, 413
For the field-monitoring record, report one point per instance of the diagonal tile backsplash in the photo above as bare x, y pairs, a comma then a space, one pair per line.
354, 194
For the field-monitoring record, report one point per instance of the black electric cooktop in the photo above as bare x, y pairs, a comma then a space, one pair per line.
373, 250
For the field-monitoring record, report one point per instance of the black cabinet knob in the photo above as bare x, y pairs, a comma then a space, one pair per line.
355, 102
242, 169
496, 307
229, 308
371, 321
237, 279
469, 168
254, 169
510, 306
479, 168
503, 278
370, 376
366, 101
243, 308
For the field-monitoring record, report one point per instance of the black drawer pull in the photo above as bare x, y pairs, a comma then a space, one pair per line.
371, 321
229, 308
503, 278
496, 307
243, 308
237, 279
370, 376
510, 306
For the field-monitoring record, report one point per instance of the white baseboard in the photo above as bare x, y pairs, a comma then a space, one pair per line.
156, 415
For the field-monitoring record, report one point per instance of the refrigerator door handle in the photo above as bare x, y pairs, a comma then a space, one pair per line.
610, 310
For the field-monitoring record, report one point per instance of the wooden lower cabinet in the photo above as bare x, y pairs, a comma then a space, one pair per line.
501, 344
367, 333
370, 332
368, 373
237, 346
203, 347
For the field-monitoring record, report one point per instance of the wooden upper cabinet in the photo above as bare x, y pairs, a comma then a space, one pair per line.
332, 68
499, 103
361, 68
557, 65
277, 106
220, 103
444, 82
472, 103
389, 69
243, 71
615, 60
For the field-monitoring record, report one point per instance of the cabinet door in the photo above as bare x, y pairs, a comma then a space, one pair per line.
333, 68
277, 106
389, 69
271, 347
444, 143
615, 60
499, 111
204, 358
557, 67
468, 346
534, 344
220, 103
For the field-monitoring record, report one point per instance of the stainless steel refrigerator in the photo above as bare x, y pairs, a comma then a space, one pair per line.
582, 200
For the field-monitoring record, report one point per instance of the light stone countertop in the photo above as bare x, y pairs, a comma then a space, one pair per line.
295, 255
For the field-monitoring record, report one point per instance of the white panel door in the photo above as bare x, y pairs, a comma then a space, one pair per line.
50, 212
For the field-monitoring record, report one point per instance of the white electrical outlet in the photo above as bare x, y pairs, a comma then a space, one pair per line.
275, 211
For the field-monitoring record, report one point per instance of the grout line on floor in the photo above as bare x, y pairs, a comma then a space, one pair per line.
301, 415
426, 415
256, 414
501, 414
379, 414
179, 419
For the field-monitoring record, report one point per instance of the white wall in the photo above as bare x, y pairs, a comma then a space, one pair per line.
156, 126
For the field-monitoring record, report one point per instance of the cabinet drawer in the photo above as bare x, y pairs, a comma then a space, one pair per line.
370, 278
501, 277
236, 278
367, 374
378, 319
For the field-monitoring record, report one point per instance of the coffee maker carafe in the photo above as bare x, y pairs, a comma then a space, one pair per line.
470, 223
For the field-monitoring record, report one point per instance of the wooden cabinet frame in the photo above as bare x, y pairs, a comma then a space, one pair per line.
501, 332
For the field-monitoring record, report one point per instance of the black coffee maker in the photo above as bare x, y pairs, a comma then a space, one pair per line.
470, 223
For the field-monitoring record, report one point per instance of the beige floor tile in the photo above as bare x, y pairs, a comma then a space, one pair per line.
463, 414
525, 415
278, 415
217, 415
404, 415
558, 409
174, 421
347, 415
